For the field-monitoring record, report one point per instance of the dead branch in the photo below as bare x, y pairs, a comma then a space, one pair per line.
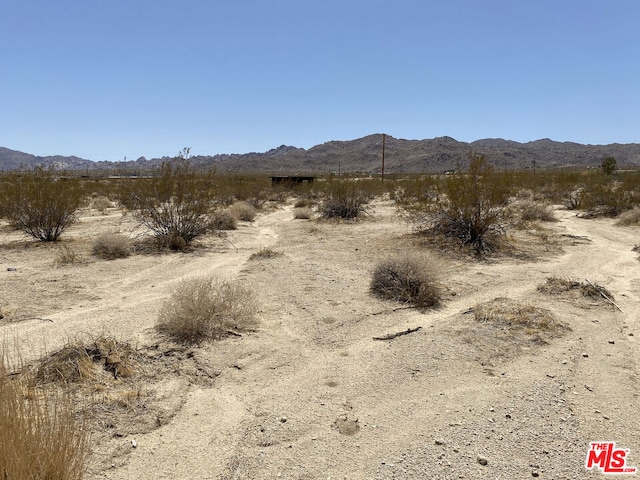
391, 336
604, 295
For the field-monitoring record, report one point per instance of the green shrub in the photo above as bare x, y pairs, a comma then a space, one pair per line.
40, 202
204, 308
409, 279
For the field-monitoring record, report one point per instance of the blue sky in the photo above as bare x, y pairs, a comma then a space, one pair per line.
108, 79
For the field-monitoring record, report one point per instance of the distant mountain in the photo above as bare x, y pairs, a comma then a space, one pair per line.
365, 154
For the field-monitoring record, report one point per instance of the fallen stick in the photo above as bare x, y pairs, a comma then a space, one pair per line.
393, 310
391, 336
604, 295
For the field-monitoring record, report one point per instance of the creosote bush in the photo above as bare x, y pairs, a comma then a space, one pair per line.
110, 246
40, 203
471, 206
175, 204
204, 308
407, 279
344, 199
41, 437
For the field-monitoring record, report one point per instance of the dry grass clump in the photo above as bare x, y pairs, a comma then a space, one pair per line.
80, 361
40, 437
302, 202
509, 315
407, 279
101, 203
302, 213
110, 246
67, 256
243, 211
224, 220
534, 211
558, 286
630, 217
204, 308
265, 253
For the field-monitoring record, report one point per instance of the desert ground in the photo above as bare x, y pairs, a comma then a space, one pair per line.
309, 393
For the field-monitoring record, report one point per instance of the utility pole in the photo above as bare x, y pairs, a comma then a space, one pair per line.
384, 139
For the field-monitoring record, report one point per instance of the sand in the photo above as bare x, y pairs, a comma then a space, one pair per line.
310, 394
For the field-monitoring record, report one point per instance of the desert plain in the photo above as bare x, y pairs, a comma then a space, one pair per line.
323, 388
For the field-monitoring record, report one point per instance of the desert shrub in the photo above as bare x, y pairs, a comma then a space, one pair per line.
223, 220
67, 256
409, 279
302, 213
471, 206
243, 211
509, 315
175, 204
204, 308
41, 436
110, 246
265, 253
40, 203
86, 359
101, 203
609, 165
532, 211
302, 202
558, 286
630, 217
609, 198
344, 199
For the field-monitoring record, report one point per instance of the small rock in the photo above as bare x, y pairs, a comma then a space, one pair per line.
585, 355
564, 362
134, 444
492, 409
439, 441
482, 460
534, 473
589, 387
283, 419
631, 334
612, 342
606, 417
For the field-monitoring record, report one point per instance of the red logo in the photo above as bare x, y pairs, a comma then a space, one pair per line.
608, 458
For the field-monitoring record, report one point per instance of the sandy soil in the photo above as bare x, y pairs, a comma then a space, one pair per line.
310, 394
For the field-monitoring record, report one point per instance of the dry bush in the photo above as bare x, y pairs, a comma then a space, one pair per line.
67, 256
110, 246
558, 286
302, 213
265, 253
243, 211
629, 218
223, 220
344, 199
85, 360
534, 211
506, 314
471, 207
302, 202
40, 203
204, 308
175, 204
101, 203
40, 436
407, 279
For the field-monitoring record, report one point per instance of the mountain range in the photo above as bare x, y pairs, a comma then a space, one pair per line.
365, 154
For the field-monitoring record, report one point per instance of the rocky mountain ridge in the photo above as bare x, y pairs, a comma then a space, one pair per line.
365, 154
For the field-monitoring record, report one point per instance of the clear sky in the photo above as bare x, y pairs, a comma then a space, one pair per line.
105, 79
